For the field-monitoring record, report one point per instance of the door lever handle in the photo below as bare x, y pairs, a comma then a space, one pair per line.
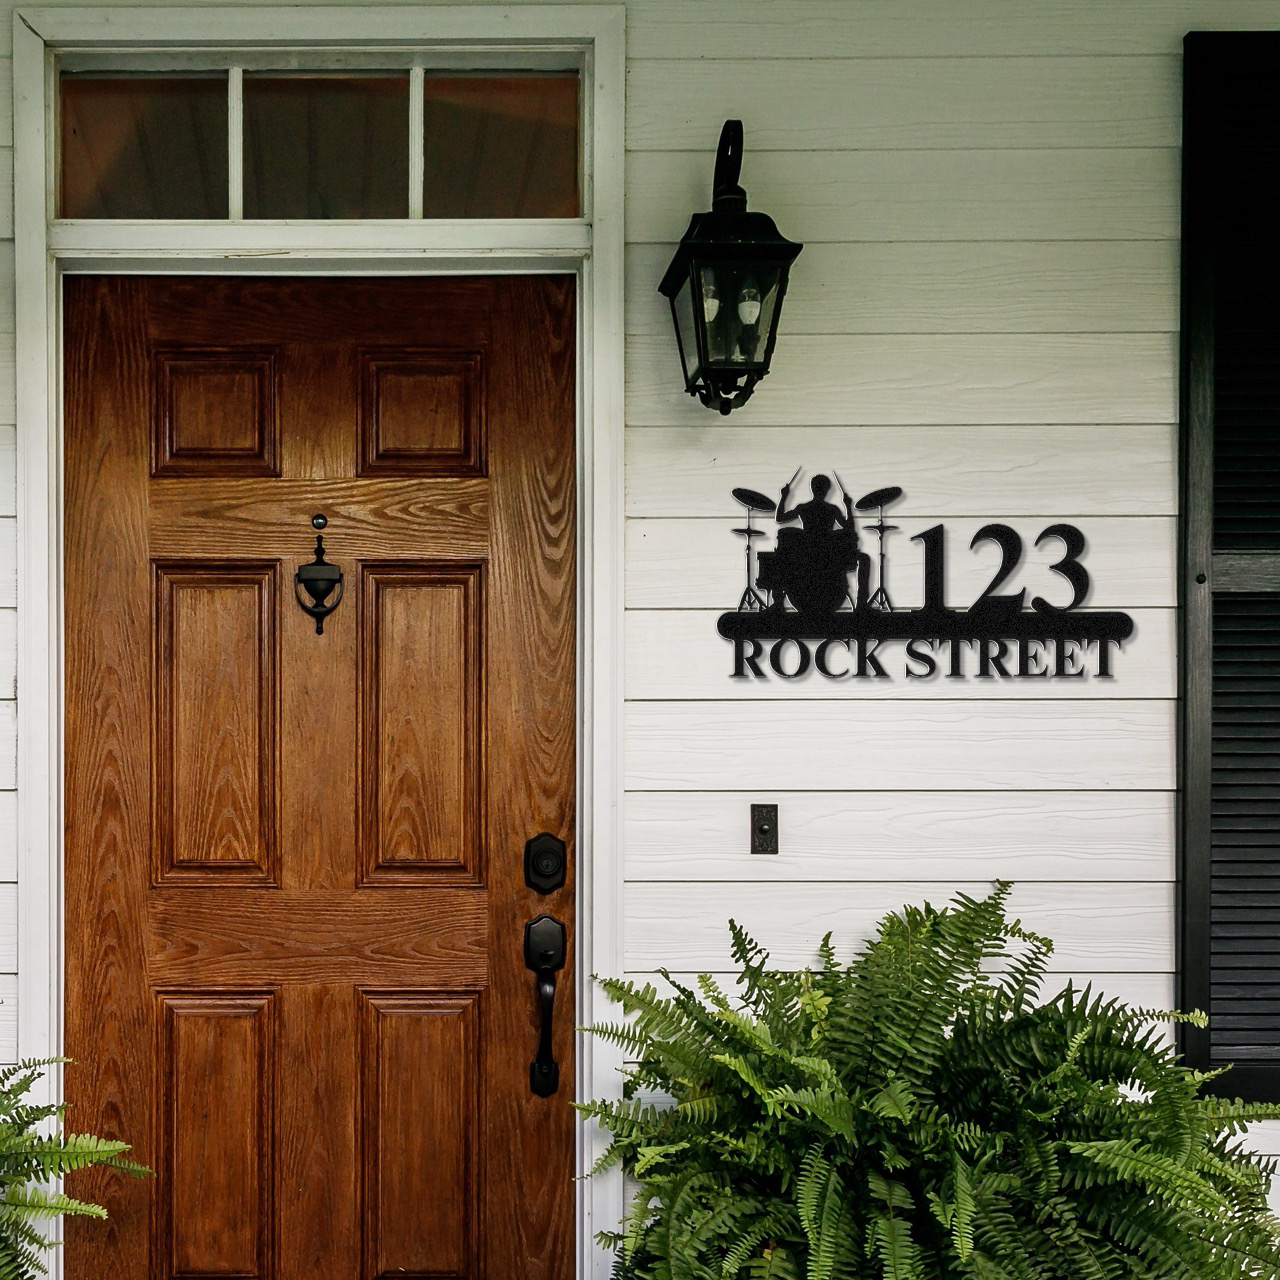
544, 944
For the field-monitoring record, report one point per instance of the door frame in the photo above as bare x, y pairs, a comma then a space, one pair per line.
591, 248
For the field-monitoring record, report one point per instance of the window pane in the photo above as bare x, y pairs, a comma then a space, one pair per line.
501, 146
326, 146
144, 147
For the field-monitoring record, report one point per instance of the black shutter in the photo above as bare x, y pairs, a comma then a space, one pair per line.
1229, 956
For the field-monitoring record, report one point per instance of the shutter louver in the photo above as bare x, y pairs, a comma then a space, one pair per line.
1229, 784
1245, 825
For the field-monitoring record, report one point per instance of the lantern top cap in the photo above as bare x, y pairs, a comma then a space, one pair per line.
727, 232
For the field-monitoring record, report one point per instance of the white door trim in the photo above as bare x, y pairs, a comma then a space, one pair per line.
591, 247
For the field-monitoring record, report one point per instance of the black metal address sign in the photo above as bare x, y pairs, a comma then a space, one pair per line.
808, 603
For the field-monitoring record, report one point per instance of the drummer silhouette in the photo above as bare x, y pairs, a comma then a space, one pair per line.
814, 561
819, 517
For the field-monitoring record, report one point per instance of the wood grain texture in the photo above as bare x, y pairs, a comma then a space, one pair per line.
400, 517
215, 412
900, 746
944, 471
474, 719
677, 654
422, 777
420, 1117
217, 1134
843, 196
860, 104
217, 728
698, 564
934, 28
953, 287
422, 412
1024, 836
982, 380
1105, 927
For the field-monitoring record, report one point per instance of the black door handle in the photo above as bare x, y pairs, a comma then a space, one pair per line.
544, 954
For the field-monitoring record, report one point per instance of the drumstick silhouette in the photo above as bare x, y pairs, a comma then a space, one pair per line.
840, 482
792, 481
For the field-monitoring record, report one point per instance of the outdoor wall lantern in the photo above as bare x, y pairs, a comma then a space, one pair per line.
726, 285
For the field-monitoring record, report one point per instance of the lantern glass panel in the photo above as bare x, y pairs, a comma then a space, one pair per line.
739, 301
686, 331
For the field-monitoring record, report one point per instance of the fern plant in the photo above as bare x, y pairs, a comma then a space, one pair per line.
922, 1114
29, 1158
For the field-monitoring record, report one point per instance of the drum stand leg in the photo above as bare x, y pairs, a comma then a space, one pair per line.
880, 597
751, 601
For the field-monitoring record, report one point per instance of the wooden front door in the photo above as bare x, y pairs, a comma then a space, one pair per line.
295, 893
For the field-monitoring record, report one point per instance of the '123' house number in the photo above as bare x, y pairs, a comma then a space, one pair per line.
808, 603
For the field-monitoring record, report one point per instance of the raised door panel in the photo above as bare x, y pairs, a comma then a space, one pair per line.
215, 411
422, 412
421, 711
216, 1087
216, 731
419, 1149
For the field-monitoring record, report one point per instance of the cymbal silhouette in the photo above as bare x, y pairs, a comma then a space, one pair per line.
754, 501
880, 498
750, 533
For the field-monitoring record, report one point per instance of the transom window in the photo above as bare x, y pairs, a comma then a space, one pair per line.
242, 143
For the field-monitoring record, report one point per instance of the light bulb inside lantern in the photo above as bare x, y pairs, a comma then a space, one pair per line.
749, 304
710, 300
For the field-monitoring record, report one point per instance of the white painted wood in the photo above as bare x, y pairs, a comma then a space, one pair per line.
841, 104
38, 934
443, 25
921, 195
1139, 990
8, 835
8, 563
678, 654
943, 471
945, 378
806, 29
8, 1017
885, 746
698, 564
1104, 927
8, 655
8, 928
1264, 1137
598, 870
1080, 286
417, 141
235, 143
8, 471
1023, 836
554, 240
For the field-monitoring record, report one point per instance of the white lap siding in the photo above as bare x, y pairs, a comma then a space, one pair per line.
985, 313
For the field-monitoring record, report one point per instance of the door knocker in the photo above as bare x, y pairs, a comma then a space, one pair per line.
319, 578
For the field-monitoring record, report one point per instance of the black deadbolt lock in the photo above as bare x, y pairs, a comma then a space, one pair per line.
544, 863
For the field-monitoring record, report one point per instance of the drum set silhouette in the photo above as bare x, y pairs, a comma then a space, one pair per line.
810, 566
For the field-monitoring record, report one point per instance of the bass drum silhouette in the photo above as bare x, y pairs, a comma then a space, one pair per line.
812, 572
